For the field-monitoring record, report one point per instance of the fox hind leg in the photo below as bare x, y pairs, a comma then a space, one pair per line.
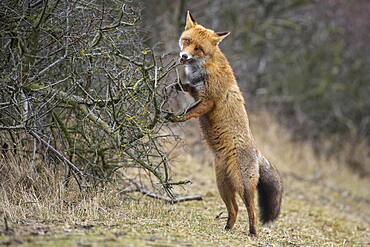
228, 194
248, 198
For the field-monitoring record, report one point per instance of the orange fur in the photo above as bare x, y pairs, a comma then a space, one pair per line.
225, 125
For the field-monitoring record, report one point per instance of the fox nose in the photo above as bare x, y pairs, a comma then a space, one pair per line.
184, 58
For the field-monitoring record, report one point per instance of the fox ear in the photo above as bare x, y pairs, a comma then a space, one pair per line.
220, 36
190, 22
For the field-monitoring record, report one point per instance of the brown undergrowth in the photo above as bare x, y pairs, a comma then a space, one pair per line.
324, 203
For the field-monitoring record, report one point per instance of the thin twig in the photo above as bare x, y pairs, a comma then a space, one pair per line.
166, 199
56, 152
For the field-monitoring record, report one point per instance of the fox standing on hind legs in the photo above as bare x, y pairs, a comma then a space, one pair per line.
240, 167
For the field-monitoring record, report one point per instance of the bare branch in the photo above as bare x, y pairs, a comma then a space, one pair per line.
166, 199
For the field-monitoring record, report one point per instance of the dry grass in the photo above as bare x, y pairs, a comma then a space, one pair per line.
325, 204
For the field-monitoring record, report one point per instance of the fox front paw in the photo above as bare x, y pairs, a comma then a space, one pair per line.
182, 87
178, 87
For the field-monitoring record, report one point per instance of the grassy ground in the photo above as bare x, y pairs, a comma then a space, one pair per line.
324, 205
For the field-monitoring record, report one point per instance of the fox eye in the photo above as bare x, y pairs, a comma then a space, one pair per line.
186, 42
198, 49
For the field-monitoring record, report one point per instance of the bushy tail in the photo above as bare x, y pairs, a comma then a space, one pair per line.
270, 191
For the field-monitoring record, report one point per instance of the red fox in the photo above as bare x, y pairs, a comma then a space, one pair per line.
240, 168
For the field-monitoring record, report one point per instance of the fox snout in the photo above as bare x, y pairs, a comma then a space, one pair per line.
185, 57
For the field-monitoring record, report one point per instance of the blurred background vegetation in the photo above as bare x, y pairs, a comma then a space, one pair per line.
85, 84
305, 61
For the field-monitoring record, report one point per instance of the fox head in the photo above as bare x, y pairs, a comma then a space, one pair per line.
198, 43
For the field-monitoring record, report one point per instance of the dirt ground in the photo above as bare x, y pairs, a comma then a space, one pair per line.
324, 204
